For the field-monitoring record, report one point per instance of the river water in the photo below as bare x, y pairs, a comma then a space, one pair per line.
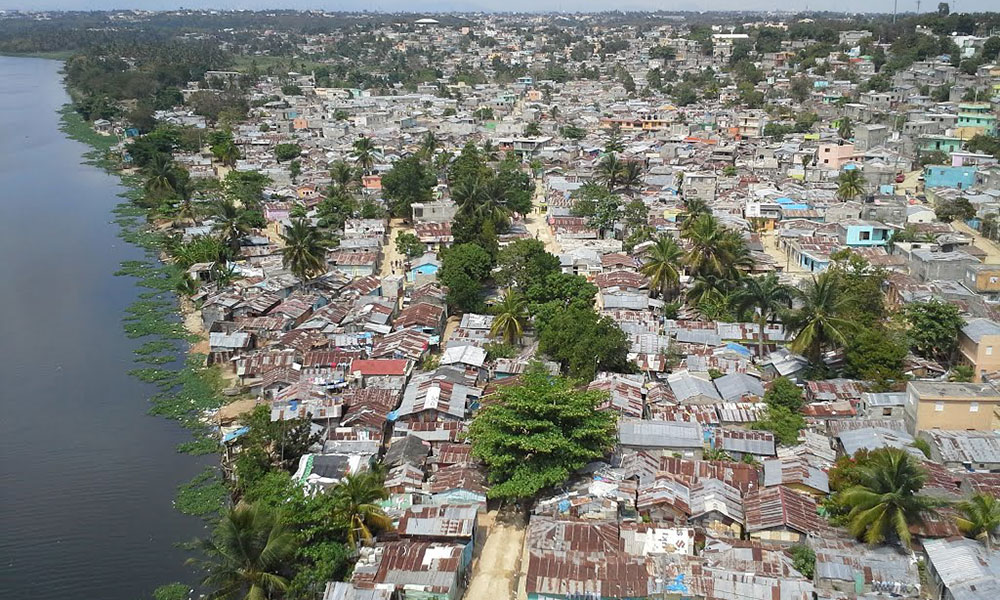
86, 476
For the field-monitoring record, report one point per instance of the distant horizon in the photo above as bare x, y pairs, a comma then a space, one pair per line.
846, 7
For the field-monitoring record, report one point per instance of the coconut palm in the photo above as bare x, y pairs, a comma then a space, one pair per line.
819, 324
247, 551
161, 176
356, 509
363, 153
227, 153
489, 151
708, 287
693, 208
344, 176
429, 144
230, 224
765, 295
884, 503
483, 198
609, 171
304, 252
664, 260
850, 184
846, 129
510, 317
980, 518
714, 249
631, 176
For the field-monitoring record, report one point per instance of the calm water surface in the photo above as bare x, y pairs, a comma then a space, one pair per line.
86, 476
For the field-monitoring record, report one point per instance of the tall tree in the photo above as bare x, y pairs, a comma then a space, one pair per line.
230, 225
248, 550
663, 264
714, 249
885, 501
363, 153
510, 317
535, 435
933, 328
850, 184
356, 508
819, 323
304, 252
609, 171
409, 181
765, 295
980, 518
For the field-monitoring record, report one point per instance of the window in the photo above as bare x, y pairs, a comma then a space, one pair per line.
886, 412
989, 350
939, 407
973, 407
865, 235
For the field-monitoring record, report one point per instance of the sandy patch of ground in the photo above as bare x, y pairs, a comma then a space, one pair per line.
495, 573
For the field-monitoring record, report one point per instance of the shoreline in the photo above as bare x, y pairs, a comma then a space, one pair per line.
171, 356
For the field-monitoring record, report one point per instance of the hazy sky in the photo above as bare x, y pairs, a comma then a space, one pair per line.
506, 5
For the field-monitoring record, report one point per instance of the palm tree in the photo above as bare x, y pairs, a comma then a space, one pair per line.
429, 144
631, 176
364, 153
707, 287
609, 171
510, 317
819, 324
850, 184
227, 153
846, 129
980, 518
714, 249
806, 159
247, 550
160, 175
490, 152
230, 225
304, 252
663, 265
483, 198
885, 503
765, 295
343, 175
532, 130
355, 506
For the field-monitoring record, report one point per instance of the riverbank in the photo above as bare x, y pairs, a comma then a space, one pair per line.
172, 356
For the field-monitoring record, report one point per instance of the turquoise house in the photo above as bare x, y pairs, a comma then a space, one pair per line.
942, 143
860, 233
959, 178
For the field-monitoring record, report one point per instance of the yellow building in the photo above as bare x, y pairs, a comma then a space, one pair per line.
979, 345
945, 405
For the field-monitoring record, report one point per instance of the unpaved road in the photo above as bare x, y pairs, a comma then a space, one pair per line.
498, 564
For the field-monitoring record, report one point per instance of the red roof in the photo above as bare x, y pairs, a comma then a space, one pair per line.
380, 366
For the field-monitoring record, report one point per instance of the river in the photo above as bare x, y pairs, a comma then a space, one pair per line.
86, 476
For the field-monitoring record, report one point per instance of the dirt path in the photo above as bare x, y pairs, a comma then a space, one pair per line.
989, 247
496, 569
536, 225
389, 253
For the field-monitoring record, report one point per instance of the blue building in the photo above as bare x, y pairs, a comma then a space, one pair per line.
959, 178
857, 232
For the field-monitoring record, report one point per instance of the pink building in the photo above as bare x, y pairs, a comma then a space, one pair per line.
835, 156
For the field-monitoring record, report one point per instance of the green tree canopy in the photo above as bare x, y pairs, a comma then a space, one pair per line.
523, 263
464, 268
534, 435
409, 181
933, 328
583, 343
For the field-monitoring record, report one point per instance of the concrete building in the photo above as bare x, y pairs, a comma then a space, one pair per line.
945, 405
979, 346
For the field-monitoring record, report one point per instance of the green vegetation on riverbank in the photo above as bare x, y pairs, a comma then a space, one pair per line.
185, 392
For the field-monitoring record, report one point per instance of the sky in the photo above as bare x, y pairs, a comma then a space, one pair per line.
504, 5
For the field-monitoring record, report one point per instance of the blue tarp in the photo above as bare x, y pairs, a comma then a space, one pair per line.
232, 435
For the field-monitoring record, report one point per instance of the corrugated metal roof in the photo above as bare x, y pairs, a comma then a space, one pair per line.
659, 434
